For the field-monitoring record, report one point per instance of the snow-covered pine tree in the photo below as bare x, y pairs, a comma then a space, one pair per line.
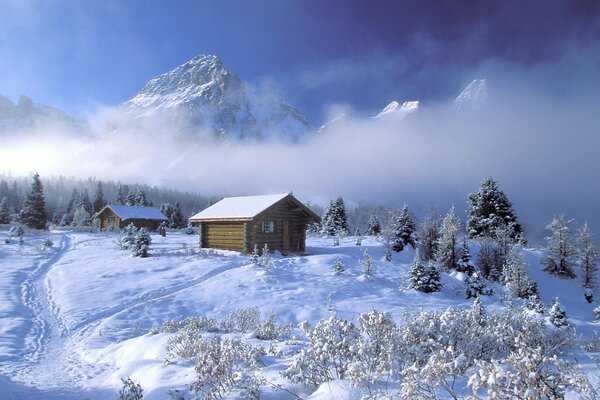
122, 192
338, 267
4, 211
130, 200
373, 226
335, 220
141, 243
428, 235
33, 213
403, 230
445, 254
515, 277
81, 217
127, 237
560, 249
474, 287
99, 200
367, 265
84, 201
490, 260
588, 259
464, 263
489, 208
176, 219
141, 200
534, 303
167, 210
422, 278
558, 316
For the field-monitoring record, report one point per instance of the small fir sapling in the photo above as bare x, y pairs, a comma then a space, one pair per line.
141, 243
338, 267
474, 287
423, 278
464, 263
557, 315
367, 265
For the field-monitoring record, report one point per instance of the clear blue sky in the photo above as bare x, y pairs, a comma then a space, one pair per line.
77, 54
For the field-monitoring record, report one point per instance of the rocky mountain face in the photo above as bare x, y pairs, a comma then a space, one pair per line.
27, 115
208, 97
474, 97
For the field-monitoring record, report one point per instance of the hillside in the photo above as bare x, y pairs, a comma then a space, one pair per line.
76, 317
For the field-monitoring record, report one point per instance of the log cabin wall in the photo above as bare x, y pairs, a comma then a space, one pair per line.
223, 235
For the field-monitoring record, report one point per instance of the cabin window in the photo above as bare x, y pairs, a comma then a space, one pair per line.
111, 220
268, 226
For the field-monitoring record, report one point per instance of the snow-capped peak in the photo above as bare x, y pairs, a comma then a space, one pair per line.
473, 97
399, 110
211, 97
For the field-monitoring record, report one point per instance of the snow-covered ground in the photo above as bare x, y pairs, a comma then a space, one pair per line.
75, 317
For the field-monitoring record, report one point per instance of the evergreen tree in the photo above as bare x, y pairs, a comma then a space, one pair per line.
403, 230
464, 263
516, 279
167, 210
141, 243
429, 234
141, 200
588, 259
335, 221
4, 211
490, 260
84, 201
81, 217
445, 254
489, 208
424, 279
99, 200
131, 199
176, 219
560, 250
72, 205
558, 316
33, 213
373, 226
474, 287
122, 193
367, 265
338, 267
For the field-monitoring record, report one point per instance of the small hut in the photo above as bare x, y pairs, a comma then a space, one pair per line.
240, 223
117, 216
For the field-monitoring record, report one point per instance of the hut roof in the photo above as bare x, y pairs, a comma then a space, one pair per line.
243, 208
134, 212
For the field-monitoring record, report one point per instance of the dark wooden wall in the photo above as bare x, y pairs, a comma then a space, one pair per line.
223, 235
278, 213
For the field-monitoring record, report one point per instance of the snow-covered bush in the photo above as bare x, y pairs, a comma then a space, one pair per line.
130, 390
331, 347
225, 365
15, 231
558, 316
269, 329
127, 238
241, 320
338, 267
474, 287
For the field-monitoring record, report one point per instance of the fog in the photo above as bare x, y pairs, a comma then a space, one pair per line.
539, 138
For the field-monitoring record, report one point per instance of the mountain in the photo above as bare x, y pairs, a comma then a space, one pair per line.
397, 110
473, 97
207, 96
27, 115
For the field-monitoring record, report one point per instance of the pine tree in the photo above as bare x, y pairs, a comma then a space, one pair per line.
141, 243
445, 254
429, 234
489, 208
122, 193
176, 219
403, 230
4, 211
33, 213
373, 226
99, 200
516, 279
84, 201
335, 221
588, 259
367, 265
464, 263
81, 217
140, 199
558, 316
338, 267
131, 199
560, 250
424, 279
474, 287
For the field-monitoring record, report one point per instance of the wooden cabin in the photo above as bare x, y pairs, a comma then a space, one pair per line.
240, 223
114, 216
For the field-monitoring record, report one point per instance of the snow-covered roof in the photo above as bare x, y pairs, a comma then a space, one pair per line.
246, 207
136, 212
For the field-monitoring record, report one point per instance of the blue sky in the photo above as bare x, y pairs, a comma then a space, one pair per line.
76, 55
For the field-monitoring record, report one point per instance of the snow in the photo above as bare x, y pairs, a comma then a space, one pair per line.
398, 110
473, 97
74, 318
239, 207
137, 212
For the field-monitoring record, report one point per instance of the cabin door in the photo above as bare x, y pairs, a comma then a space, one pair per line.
287, 234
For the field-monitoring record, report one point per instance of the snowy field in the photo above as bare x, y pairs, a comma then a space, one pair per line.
80, 315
